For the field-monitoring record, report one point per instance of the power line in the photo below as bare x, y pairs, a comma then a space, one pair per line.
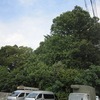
86, 5
95, 8
92, 7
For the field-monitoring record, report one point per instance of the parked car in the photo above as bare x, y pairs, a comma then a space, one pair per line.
41, 95
18, 95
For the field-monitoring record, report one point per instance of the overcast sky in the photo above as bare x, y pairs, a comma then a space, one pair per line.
25, 22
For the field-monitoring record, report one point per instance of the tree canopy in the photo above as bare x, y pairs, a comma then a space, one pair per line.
78, 23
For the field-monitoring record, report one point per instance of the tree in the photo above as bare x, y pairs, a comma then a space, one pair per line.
3, 78
69, 50
54, 49
78, 23
74, 40
14, 56
83, 54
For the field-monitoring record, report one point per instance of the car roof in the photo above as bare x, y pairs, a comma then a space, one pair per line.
47, 92
23, 91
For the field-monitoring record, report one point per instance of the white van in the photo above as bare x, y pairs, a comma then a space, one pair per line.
18, 95
41, 95
79, 96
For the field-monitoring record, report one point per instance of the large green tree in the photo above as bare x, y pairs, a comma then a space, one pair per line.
79, 23
74, 40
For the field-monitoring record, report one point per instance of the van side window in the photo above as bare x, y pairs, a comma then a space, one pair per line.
21, 95
27, 94
81, 98
39, 96
48, 96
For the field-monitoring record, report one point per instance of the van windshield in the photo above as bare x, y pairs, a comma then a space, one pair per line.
32, 95
14, 94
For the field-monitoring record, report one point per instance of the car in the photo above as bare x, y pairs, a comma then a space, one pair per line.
18, 95
41, 95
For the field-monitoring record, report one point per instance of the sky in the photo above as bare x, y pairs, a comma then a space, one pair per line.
26, 22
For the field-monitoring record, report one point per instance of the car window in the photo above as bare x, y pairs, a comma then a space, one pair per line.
21, 95
27, 94
39, 96
14, 94
48, 96
32, 95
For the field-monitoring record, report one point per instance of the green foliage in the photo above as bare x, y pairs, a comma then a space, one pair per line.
70, 51
83, 55
54, 49
72, 41
3, 77
14, 56
78, 23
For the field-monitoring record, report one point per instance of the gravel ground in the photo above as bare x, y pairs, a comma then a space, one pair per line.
3, 95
